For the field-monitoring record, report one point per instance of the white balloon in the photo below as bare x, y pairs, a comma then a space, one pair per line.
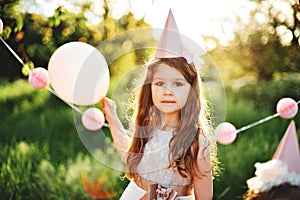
79, 73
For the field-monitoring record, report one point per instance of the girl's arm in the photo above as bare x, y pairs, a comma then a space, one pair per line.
203, 183
120, 138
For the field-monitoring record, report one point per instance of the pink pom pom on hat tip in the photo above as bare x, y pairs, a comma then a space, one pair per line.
92, 119
39, 78
226, 133
287, 108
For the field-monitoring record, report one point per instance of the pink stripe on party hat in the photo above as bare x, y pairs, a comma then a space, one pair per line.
170, 44
288, 149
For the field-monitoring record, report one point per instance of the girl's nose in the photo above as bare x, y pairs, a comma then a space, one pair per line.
168, 91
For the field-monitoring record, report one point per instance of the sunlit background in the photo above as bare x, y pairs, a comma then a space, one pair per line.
253, 44
194, 18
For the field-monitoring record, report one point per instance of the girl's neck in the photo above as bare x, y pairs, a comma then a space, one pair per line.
169, 122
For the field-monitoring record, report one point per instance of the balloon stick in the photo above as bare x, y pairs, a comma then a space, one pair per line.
12, 51
226, 132
259, 122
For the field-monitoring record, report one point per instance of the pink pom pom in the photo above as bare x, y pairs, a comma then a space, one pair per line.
1, 26
226, 133
39, 78
287, 108
92, 119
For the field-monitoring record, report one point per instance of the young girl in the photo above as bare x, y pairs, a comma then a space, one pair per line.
169, 155
169, 150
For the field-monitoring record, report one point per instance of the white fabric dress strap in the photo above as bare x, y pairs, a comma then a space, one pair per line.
133, 192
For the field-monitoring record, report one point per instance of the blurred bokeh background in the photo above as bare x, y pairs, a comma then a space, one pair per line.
253, 43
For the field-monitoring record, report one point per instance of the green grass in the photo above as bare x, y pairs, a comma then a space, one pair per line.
39, 117
42, 156
256, 144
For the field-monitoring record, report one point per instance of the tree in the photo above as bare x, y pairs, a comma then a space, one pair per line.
36, 37
13, 24
268, 45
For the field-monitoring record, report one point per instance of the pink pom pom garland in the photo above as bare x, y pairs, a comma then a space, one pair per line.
92, 119
38, 79
286, 108
226, 133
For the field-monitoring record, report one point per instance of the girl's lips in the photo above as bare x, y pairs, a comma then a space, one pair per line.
168, 101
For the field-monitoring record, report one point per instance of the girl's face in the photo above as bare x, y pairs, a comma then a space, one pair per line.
170, 89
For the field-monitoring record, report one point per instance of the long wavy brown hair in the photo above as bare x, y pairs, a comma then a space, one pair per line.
184, 145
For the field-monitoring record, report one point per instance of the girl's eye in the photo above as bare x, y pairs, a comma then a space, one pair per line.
178, 84
159, 83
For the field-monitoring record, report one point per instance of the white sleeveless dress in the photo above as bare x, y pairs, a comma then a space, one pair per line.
154, 167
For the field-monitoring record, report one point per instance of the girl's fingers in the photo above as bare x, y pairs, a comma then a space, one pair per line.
103, 102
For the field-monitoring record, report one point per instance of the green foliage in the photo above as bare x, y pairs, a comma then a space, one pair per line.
27, 173
41, 155
266, 94
59, 15
27, 68
257, 144
37, 115
37, 37
93, 170
16, 171
264, 46
13, 21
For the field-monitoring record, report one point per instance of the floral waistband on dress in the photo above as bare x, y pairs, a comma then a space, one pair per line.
159, 192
